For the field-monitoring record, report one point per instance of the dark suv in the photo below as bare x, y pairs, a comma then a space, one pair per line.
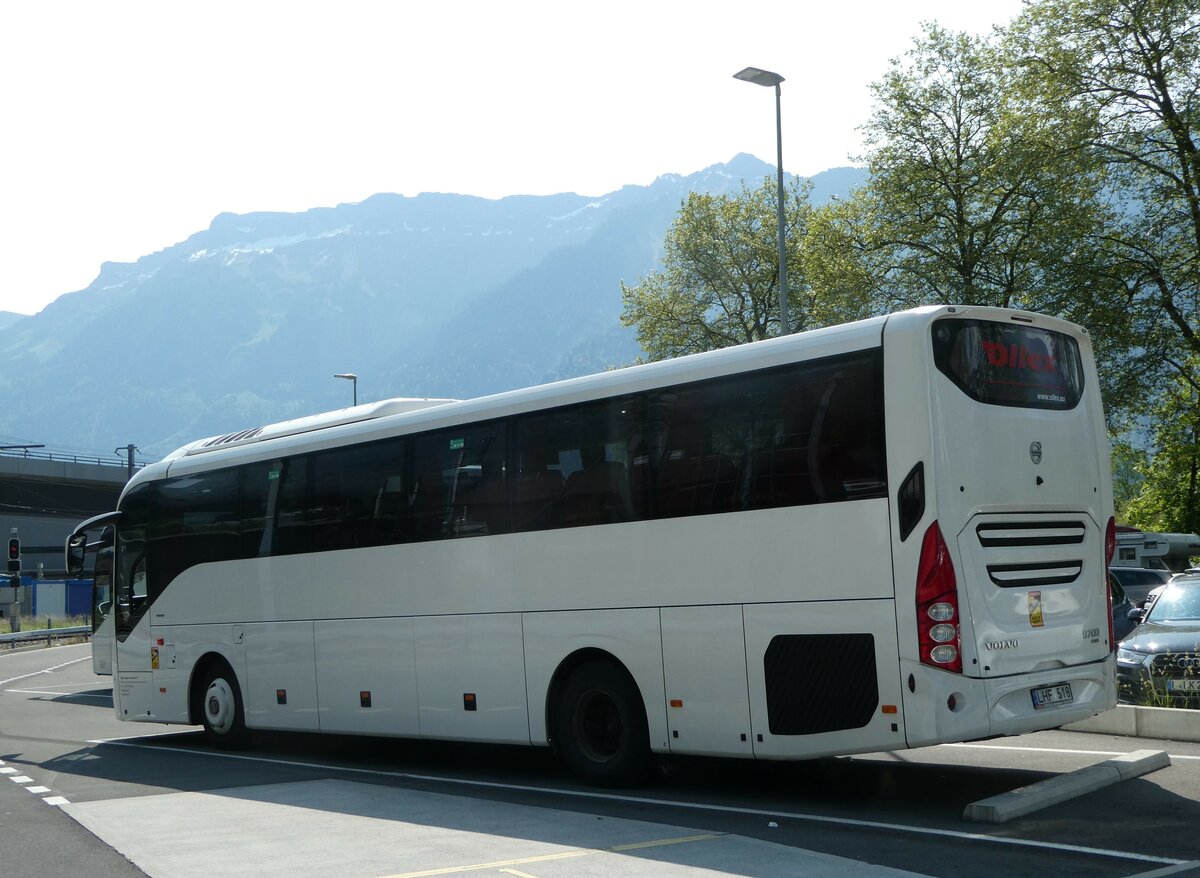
1138, 581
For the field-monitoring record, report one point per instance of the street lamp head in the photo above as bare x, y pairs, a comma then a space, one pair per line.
353, 381
758, 77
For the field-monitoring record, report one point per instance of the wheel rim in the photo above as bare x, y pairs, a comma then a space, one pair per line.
219, 706
597, 725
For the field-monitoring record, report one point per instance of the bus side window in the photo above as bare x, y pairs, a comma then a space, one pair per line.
292, 513
579, 465
460, 488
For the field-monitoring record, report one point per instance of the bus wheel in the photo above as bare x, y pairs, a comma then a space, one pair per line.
600, 727
221, 710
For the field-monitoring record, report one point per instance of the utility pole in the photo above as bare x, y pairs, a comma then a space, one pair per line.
128, 449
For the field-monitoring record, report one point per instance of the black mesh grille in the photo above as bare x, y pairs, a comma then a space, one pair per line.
820, 682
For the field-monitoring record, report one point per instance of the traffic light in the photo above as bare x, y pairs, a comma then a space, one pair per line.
14, 555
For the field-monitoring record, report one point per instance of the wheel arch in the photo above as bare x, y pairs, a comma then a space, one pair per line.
200, 670
568, 666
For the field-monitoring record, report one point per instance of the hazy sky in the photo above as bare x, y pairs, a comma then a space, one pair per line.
127, 126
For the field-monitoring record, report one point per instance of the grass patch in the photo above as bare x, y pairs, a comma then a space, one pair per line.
41, 623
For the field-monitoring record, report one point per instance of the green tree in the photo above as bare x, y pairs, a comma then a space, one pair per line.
970, 199
719, 281
1124, 77
1129, 466
1169, 496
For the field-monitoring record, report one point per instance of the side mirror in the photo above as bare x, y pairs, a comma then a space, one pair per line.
76, 549
1136, 615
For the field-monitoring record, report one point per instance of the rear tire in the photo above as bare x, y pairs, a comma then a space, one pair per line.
600, 727
221, 710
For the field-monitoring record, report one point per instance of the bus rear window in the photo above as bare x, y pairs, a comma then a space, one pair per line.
1009, 364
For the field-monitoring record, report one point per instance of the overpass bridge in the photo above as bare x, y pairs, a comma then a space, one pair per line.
43, 495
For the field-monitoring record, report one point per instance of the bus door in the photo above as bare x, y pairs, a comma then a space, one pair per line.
132, 656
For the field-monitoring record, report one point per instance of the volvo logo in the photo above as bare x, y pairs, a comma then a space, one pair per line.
1035, 452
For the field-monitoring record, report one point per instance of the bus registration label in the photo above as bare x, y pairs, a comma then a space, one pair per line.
1050, 696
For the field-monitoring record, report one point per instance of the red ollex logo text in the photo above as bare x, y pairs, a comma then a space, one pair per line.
1017, 357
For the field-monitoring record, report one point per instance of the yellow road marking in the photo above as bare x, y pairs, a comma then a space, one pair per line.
564, 855
638, 845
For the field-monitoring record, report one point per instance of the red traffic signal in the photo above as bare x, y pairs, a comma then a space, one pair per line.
14, 549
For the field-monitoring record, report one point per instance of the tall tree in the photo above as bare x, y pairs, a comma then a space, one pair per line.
719, 281
970, 200
1126, 73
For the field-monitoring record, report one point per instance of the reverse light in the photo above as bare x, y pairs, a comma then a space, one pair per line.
937, 604
943, 633
941, 612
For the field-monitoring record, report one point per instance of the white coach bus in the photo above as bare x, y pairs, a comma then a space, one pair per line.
887, 534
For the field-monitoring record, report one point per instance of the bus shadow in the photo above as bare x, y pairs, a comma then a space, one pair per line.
91, 698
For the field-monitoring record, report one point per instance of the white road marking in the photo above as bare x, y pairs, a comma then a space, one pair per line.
45, 670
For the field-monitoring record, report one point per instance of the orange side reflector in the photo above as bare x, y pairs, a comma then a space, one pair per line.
676, 702
889, 708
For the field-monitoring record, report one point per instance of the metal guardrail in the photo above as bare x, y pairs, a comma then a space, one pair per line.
46, 634
70, 457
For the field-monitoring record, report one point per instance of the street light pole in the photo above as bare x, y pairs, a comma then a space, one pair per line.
767, 78
350, 376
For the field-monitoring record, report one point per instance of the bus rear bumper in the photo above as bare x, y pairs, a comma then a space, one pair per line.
945, 708
1042, 701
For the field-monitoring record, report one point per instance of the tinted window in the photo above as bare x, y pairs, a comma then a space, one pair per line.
197, 520
1009, 364
582, 465
808, 433
255, 486
292, 508
459, 485
356, 496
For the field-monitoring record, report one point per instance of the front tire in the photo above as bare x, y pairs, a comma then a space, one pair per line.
600, 727
221, 710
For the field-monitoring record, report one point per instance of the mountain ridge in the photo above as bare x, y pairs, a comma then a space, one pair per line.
438, 294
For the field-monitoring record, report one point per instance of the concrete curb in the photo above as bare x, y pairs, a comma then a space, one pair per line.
1160, 723
1006, 806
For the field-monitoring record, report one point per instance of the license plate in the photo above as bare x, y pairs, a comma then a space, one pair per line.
1188, 685
1049, 696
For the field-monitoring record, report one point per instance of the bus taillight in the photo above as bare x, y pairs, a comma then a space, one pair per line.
937, 604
